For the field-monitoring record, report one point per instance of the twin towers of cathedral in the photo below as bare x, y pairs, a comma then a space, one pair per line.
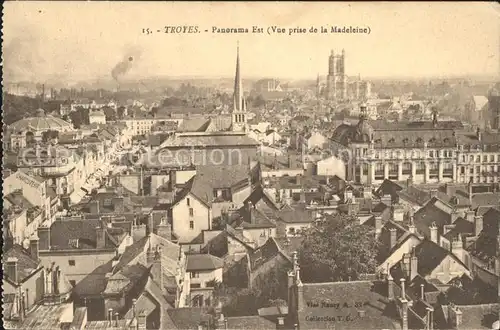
239, 113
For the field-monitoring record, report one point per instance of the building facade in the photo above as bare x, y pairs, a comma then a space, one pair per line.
423, 152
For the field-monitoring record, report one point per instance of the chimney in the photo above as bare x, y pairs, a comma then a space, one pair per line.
457, 248
289, 161
34, 247
469, 190
352, 207
469, 215
409, 182
44, 238
390, 284
302, 196
281, 323
478, 134
433, 193
393, 237
100, 236
411, 227
275, 162
11, 269
404, 306
118, 204
434, 233
150, 225
378, 226
221, 322
454, 316
422, 292
134, 307
141, 320
110, 316
386, 199
413, 266
94, 207
367, 193
406, 264
397, 213
150, 255
165, 229
478, 225
116, 319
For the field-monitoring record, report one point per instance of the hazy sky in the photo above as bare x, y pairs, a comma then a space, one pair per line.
84, 40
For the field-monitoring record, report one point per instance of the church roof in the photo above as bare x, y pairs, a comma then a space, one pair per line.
41, 122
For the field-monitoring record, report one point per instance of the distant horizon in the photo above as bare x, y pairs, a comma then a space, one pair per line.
132, 80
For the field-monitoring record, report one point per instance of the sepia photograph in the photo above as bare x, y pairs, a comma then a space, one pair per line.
250, 165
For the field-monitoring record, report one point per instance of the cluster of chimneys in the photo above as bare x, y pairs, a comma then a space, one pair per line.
138, 318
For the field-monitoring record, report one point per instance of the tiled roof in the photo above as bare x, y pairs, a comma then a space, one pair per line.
211, 140
194, 125
396, 135
250, 323
41, 122
197, 262
95, 282
64, 232
266, 252
379, 312
479, 316
430, 255
388, 187
26, 265
208, 178
188, 318
471, 139
461, 227
295, 214
435, 211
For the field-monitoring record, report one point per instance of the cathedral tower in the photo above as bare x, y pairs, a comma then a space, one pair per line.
239, 114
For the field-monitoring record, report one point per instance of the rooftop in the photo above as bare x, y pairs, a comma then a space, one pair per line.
203, 262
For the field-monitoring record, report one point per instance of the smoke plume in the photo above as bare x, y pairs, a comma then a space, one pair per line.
128, 62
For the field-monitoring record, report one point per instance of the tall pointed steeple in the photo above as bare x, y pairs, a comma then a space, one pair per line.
238, 86
239, 116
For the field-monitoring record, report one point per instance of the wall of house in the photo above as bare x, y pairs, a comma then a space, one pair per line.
278, 263
331, 166
259, 235
448, 270
33, 287
202, 277
486, 275
316, 141
85, 261
201, 218
397, 255
222, 155
235, 248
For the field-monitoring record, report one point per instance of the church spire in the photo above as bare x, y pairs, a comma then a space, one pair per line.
238, 86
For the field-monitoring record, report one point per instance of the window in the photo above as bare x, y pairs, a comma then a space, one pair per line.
71, 262
191, 224
270, 232
73, 283
188, 201
191, 212
195, 275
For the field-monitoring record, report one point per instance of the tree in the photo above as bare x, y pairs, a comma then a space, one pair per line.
338, 249
76, 118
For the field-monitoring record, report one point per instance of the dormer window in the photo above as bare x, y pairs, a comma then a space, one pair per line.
432, 140
419, 140
405, 140
391, 140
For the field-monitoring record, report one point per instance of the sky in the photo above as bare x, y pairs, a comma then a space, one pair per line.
77, 41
